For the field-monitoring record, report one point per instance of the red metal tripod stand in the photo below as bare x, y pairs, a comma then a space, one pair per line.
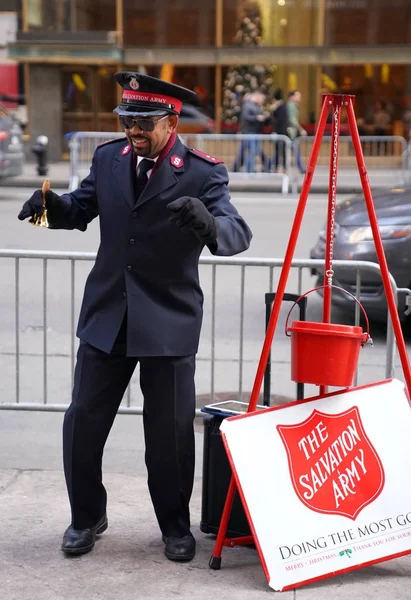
334, 102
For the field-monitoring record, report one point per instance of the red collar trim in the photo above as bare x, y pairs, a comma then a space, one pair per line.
165, 151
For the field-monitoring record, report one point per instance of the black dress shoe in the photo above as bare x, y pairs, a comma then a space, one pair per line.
180, 548
80, 541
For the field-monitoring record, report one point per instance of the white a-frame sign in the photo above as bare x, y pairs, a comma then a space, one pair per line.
325, 483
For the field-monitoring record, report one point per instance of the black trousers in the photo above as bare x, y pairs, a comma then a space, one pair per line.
280, 153
167, 384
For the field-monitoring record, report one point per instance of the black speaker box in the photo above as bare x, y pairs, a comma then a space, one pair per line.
216, 468
216, 478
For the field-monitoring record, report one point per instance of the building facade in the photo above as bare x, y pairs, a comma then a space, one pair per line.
70, 49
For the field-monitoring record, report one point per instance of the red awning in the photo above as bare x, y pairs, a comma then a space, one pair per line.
9, 83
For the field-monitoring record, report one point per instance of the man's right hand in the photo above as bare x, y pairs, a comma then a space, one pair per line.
34, 206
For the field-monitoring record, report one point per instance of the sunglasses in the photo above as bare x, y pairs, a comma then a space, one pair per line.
143, 124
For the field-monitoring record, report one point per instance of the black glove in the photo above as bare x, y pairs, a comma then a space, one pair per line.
34, 206
190, 214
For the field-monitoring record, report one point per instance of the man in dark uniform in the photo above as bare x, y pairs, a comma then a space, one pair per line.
159, 204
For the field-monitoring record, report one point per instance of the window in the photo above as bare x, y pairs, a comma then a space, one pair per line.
71, 15
367, 22
270, 22
163, 23
89, 97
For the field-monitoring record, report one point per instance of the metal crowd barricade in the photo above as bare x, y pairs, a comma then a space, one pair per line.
82, 145
386, 156
243, 155
244, 267
248, 155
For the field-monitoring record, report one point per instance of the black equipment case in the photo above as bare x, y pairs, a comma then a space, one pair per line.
216, 468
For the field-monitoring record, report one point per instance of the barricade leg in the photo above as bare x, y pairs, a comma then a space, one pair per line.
285, 184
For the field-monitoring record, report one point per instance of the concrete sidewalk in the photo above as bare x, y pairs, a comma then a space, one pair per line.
348, 179
128, 561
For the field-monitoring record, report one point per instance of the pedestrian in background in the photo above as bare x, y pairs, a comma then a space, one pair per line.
251, 122
159, 203
381, 119
239, 160
294, 128
280, 124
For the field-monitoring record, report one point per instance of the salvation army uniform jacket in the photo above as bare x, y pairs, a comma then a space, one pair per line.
145, 264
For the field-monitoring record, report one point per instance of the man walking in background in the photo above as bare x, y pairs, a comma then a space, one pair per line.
294, 128
252, 120
280, 120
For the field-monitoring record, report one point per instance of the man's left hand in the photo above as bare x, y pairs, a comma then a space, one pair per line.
190, 214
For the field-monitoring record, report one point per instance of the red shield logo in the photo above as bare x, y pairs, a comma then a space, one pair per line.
176, 161
333, 465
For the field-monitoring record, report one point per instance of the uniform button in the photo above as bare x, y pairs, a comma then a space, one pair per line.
133, 214
132, 241
128, 267
125, 294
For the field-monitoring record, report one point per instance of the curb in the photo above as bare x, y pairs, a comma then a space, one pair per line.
36, 183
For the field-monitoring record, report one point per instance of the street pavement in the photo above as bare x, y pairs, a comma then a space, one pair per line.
128, 561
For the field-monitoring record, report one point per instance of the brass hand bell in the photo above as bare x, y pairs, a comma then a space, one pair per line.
41, 220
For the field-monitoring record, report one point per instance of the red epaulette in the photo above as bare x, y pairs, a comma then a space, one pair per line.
206, 156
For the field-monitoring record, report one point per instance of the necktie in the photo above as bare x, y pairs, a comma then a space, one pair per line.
142, 178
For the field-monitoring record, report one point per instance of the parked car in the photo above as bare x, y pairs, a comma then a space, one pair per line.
11, 146
353, 240
194, 120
